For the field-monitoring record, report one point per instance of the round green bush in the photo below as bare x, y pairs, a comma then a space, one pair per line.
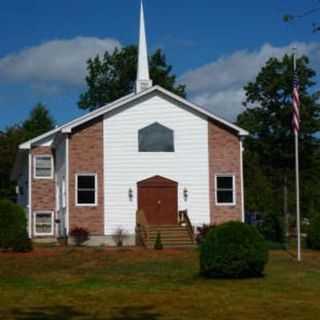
12, 224
313, 234
233, 250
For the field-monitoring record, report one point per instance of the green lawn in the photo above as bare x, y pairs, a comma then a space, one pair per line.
68, 283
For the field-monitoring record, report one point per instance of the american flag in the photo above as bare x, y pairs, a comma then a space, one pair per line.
296, 104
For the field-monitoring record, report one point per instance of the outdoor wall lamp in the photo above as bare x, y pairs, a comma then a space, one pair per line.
130, 194
185, 194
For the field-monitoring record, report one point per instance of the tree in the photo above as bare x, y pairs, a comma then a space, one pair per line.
9, 141
270, 146
113, 76
38, 122
289, 18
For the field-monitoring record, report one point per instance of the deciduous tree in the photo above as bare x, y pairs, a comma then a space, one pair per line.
270, 148
113, 76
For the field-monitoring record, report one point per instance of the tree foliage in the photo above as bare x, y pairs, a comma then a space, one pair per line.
289, 18
313, 233
38, 122
13, 226
269, 155
113, 76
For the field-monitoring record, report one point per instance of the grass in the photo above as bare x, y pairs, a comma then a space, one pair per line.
96, 283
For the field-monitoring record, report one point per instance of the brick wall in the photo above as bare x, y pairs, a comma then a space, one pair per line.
43, 190
86, 156
224, 158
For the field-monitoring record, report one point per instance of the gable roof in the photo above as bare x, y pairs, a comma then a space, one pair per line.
68, 127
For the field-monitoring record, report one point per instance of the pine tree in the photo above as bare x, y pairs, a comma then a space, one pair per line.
158, 243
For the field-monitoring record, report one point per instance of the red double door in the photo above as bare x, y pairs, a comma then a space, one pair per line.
158, 198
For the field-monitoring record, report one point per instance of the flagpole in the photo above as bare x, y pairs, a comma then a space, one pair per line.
296, 138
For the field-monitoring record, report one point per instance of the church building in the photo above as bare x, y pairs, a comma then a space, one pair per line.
150, 162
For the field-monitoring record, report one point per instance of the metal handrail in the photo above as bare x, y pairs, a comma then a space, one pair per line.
183, 218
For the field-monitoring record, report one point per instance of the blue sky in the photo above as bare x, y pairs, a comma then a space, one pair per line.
215, 47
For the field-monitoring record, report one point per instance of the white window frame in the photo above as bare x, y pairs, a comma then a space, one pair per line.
95, 204
225, 204
35, 213
35, 166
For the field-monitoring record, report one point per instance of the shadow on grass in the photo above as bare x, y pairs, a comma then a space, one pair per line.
135, 313
70, 313
49, 313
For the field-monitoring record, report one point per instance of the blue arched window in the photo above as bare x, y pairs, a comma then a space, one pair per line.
156, 138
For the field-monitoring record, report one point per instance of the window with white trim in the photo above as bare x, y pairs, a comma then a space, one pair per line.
86, 189
43, 167
43, 223
225, 190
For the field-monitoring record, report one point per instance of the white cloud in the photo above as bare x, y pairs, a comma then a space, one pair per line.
218, 86
55, 63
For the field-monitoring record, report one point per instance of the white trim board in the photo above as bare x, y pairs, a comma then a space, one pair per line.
67, 128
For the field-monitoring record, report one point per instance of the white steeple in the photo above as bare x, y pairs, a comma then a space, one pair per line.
143, 77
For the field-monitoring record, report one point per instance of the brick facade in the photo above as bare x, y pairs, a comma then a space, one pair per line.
224, 158
43, 190
86, 156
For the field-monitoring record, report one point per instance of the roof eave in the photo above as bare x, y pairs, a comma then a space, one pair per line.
67, 128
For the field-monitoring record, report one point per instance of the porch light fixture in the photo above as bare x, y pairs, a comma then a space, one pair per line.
185, 194
130, 194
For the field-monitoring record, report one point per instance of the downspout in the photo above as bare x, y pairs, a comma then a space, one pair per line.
67, 222
30, 194
242, 181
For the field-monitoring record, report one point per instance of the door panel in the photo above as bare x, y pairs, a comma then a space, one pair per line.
158, 201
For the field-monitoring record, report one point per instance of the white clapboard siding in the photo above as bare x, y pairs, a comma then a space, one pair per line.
124, 166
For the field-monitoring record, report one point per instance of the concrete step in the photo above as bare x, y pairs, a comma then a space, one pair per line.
172, 236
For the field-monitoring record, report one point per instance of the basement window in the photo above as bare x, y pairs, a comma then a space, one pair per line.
43, 167
86, 189
225, 190
43, 223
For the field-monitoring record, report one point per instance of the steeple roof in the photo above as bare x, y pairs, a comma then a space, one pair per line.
143, 76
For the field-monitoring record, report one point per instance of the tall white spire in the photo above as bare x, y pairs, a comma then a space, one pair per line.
143, 77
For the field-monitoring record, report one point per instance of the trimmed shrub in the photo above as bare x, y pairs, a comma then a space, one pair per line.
233, 250
158, 243
22, 243
313, 234
79, 235
272, 228
202, 232
13, 224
